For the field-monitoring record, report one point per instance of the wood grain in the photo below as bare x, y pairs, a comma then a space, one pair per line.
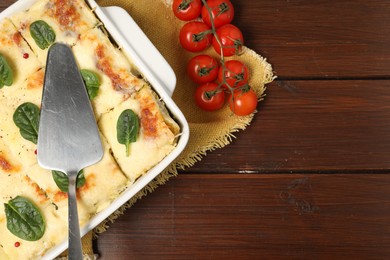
225, 216
328, 112
312, 126
319, 39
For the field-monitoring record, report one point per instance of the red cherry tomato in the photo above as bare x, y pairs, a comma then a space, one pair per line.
195, 36
231, 39
222, 12
208, 98
243, 103
202, 69
235, 74
187, 10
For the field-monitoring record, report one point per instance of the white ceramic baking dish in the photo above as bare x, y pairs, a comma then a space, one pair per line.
154, 68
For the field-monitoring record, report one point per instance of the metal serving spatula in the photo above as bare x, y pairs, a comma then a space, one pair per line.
68, 139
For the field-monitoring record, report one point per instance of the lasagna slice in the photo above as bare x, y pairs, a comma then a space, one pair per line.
156, 137
29, 92
104, 181
57, 197
18, 55
63, 20
13, 247
95, 52
92, 198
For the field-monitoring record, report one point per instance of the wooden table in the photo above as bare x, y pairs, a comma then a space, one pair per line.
309, 178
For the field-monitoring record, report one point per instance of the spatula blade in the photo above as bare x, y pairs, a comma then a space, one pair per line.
68, 138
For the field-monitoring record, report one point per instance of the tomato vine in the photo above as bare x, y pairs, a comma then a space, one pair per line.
227, 40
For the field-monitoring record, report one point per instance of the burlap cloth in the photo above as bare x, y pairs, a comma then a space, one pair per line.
208, 130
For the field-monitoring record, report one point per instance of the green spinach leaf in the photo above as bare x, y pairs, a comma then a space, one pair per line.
26, 117
92, 83
62, 181
127, 128
24, 219
42, 34
6, 74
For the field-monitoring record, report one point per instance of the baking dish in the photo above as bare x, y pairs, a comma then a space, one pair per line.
152, 65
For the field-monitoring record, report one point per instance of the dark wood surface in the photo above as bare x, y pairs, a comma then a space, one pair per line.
309, 178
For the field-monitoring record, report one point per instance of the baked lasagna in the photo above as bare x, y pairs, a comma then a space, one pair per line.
33, 208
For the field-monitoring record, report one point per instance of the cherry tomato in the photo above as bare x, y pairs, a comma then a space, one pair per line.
222, 12
235, 74
231, 39
187, 10
243, 103
202, 69
208, 98
195, 36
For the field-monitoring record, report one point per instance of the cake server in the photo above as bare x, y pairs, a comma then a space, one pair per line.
68, 137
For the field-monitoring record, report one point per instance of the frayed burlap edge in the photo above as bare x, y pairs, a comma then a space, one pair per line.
85, 257
195, 156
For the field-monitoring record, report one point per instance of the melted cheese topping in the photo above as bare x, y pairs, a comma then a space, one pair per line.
91, 197
9, 163
107, 174
68, 18
92, 51
15, 49
29, 91
155, 139
95, 52
56, 196
21, 185
3, 255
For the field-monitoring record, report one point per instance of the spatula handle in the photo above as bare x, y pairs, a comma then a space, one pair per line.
74, 251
